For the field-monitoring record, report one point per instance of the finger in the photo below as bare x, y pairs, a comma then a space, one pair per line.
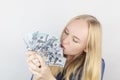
29, 53
42, 62
37, 75
33, 66
34, 60
30, 58
33, 71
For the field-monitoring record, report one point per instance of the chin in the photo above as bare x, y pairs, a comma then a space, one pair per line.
66, 53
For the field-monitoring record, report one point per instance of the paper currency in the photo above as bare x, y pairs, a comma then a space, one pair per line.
47, 46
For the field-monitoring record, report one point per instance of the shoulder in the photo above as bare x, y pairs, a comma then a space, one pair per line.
59, 76
103, 64
103, 68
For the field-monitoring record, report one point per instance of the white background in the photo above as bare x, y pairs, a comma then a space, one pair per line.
18, 17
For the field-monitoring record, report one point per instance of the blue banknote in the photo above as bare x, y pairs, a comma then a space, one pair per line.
47, 46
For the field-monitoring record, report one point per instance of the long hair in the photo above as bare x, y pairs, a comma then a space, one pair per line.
88, 63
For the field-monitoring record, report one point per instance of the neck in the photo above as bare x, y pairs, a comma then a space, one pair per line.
69, 60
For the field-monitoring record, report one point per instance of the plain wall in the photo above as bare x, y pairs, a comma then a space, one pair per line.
18, 17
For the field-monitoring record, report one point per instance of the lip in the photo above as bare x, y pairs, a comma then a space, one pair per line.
62, 46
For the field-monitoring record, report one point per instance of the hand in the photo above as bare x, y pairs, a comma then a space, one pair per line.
38, 67
32, 60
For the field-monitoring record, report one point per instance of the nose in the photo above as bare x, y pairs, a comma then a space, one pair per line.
66, 40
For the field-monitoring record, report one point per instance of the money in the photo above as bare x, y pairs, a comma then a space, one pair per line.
47, 47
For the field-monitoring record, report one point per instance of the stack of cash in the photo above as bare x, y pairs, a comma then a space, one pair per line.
47, 47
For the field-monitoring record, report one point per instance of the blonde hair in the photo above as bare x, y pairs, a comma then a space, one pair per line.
89, 63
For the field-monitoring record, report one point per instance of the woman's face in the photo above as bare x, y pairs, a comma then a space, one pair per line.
74, 38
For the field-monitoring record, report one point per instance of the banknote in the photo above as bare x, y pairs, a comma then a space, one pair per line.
47, 46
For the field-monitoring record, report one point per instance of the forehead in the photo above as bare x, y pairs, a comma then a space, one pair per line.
78, 28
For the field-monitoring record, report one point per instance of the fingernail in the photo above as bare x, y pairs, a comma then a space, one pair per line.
40, 66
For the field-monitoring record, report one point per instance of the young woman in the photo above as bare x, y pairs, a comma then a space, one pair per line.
81, 43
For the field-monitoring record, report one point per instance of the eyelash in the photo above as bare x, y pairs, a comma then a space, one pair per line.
73, 39
66, 32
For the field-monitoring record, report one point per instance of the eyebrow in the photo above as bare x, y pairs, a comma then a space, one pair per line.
73, 35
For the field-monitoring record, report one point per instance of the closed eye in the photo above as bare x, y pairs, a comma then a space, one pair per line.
75, 40
66, 32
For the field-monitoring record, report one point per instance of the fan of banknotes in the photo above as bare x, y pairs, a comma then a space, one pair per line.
47, 47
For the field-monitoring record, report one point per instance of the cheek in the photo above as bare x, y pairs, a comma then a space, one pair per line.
76, 50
